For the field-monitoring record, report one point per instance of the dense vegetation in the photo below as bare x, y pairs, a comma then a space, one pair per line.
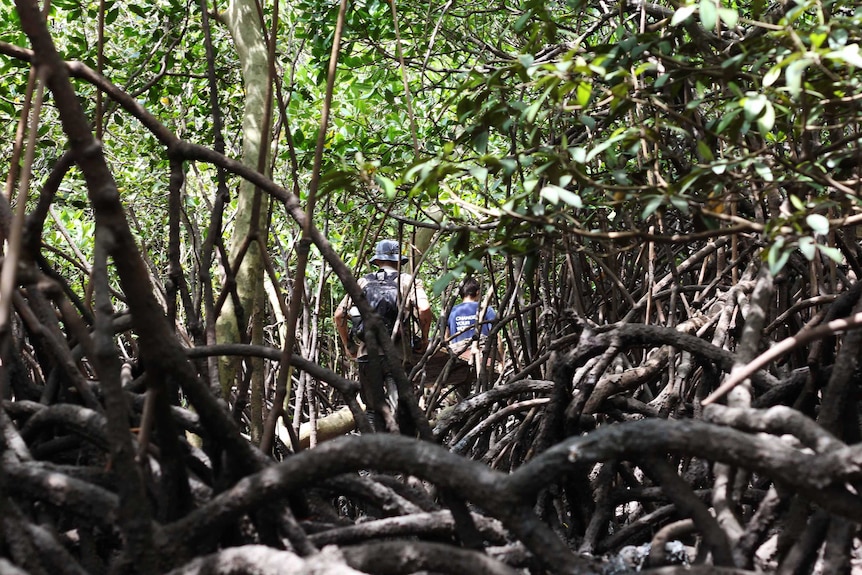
661, 201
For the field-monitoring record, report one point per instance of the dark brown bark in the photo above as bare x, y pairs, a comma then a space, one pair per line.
117, 460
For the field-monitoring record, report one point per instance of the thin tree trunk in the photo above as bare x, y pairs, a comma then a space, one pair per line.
245, 28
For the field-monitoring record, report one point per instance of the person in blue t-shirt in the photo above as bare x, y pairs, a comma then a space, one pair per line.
461, 325
464, 343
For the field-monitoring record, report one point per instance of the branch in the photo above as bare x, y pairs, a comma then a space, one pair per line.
818, 478
784, 346
634, 335
393, 453
408, 557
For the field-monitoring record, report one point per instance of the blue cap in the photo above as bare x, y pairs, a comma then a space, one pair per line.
388, 251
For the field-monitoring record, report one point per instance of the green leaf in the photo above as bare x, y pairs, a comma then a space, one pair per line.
587, 121
849, 54
838, 38
584, 92
662, 80
817, 39
797, 202
680, 203
479, 173
726, 120
551, 193
733, 62
765, 173
579, 154
621, 177
442, 282
833, 254
753, 105
757, 7
729, 16
777, 256
526, 60
509, 166
705, 151
521, 22
818, 223
708, 14
387, 185
652, 205
531, 112
556, 194
480, 141
620, 134
572, 199
793, 76
767, 120
807, 247
682, 14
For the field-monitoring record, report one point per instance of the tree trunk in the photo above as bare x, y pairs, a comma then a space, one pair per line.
245, 28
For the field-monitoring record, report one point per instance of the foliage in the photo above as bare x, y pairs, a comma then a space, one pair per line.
619, 176
553, 124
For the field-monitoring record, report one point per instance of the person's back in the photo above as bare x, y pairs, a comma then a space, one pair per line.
377, 391
464, 341
464, 317
463, 320
387, 292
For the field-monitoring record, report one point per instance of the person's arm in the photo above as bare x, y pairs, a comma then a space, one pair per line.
340, 319
423, 312
425, 320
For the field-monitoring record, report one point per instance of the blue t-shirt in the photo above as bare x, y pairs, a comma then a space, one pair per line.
463, 317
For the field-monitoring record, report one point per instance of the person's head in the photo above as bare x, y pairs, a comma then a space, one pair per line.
387, 252
469, 288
